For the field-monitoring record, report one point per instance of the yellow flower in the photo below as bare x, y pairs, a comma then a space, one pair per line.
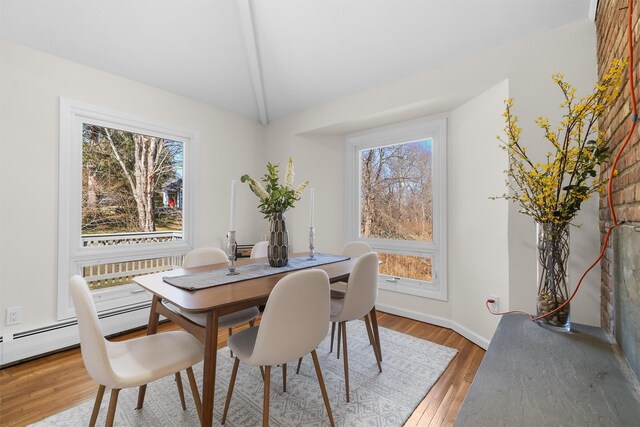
554, 190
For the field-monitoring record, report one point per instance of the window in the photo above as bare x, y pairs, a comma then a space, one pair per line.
397, 189
126, 202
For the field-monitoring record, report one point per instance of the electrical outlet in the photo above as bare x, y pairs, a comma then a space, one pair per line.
14, 315
494, 306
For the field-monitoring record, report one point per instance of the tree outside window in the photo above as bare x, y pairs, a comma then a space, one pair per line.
398, 202
130, 182
126, 202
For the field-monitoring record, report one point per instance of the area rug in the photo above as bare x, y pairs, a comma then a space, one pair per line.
410, 368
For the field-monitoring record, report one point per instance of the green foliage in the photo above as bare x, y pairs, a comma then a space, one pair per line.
553, 191
274, 197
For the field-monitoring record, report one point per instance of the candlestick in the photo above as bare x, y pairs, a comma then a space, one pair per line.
232, 246
232, 216
312, 240
312, 202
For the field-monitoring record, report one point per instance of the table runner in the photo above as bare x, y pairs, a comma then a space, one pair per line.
219, 277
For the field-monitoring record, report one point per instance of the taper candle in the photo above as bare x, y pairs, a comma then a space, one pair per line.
232, 219
312, 193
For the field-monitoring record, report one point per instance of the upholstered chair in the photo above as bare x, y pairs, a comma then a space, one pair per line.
293, 324
207, 256
353, 250
358, 301
259, 250
136, 362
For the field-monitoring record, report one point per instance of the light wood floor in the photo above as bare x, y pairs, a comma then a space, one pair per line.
34, 390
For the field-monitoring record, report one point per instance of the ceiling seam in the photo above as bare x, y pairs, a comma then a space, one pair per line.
254, 60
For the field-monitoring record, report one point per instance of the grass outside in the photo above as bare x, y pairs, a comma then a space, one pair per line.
407, 266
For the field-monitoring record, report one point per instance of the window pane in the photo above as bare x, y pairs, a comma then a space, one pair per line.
100, 276
396, 198
131, 183
406, 266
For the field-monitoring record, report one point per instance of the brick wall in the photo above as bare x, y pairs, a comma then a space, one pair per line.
611, 30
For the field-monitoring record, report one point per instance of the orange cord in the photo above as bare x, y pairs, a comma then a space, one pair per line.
612, 174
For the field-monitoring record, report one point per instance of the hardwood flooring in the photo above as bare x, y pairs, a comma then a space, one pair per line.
34, 390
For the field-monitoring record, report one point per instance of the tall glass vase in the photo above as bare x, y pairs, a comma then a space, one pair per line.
553, 275
278, 249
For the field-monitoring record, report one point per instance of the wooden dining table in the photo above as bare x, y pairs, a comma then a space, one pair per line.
215, 302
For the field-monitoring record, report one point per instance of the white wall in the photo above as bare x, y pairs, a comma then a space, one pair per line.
317, 158
468, 90
478, 226
527, 65
31, 83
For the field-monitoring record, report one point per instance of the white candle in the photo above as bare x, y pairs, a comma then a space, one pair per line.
312, 192
232, 219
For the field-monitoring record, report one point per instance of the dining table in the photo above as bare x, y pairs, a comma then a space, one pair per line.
217, 301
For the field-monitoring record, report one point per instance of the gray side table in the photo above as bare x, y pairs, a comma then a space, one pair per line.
531, 376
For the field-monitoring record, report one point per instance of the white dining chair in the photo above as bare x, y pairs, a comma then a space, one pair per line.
207, 256
204, 256
358, 301
293, 324
132, 363
259, 250
353, 250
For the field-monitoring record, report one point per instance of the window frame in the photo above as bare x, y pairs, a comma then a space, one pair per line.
434, 128
72, 255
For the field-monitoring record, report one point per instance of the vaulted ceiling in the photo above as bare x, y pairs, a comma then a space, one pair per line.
267, 59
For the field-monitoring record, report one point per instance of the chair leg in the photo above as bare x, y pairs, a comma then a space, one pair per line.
333, 332
373, 341
113, 402
265, 404
230, 333
262, 372
181, 391
323, 389
232, 382
369, 333
284, 377
345, 356
339, 339
376, 334
194, 391
141, 392
299, 364
96, 406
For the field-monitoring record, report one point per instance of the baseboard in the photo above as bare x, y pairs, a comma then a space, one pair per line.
438, 321
28, 344
471, 336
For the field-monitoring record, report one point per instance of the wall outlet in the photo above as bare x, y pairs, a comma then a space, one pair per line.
14, 316
495, 305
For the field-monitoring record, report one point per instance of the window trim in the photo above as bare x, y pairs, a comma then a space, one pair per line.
413, 130
72, 255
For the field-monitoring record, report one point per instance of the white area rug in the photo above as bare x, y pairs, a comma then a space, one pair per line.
410, 368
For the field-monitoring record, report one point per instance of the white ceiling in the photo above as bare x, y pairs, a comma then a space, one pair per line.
283, 55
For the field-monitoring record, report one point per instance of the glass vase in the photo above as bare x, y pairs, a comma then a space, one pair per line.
553, 275
278, 249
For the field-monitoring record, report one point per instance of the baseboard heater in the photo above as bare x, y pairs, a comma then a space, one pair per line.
42, 341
